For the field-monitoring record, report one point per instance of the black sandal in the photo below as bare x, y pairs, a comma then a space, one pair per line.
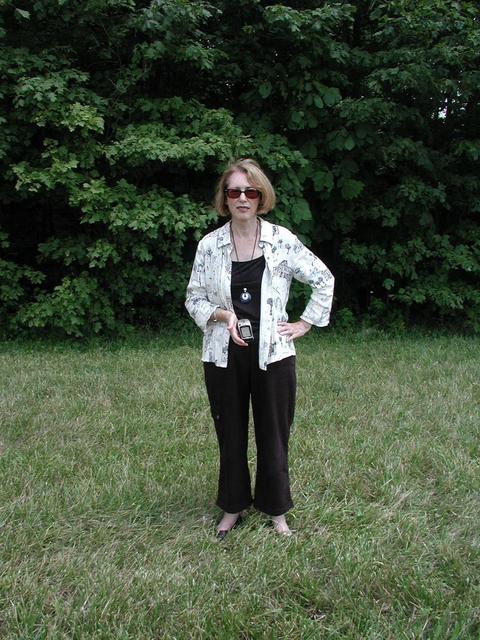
221, 535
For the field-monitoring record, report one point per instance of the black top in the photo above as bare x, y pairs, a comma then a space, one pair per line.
248, 275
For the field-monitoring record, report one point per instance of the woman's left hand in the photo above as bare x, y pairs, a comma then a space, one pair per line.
293, 330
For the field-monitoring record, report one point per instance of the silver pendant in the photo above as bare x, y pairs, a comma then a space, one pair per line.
245, 296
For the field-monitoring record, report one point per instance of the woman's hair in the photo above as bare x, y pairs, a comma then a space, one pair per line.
256, 177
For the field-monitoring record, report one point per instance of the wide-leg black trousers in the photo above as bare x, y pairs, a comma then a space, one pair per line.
272, 394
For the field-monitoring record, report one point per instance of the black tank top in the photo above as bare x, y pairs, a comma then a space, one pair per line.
247, 280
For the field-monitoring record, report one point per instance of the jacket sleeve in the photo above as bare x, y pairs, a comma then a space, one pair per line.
197, 303
309, 269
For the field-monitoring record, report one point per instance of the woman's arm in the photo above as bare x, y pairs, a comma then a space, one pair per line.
197, 302
309, 269
199, 306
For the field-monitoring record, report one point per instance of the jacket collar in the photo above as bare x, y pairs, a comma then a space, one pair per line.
223, 235
266, 233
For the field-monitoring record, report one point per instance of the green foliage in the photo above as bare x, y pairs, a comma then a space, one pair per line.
364, 114
74, 304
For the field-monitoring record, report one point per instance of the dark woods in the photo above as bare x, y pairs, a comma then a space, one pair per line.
116, 118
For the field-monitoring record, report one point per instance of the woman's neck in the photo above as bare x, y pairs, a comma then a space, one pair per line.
245, 228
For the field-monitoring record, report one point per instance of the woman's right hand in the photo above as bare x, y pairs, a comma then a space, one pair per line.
232, 328
230, 319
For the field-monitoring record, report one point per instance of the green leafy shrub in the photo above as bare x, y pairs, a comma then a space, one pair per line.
365, 116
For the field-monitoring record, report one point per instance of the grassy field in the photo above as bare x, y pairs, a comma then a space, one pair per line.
108, 473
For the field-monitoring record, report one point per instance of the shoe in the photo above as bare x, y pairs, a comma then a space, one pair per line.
221, 535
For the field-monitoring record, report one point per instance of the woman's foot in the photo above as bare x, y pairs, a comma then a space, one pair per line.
228, 521
280, 525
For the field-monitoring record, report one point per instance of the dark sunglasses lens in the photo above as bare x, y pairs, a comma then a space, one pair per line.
251, 194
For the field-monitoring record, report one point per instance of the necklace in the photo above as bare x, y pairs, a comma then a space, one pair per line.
254, 242
245, 296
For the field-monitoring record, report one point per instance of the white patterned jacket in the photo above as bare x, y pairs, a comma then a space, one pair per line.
285, 258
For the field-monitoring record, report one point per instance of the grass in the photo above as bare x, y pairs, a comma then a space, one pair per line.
108, 472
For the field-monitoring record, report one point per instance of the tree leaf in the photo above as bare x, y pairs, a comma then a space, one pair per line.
265, 88
351, 188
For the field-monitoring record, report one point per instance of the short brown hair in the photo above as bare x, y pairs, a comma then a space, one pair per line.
255, 176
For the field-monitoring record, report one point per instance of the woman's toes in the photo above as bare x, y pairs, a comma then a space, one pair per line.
280, 526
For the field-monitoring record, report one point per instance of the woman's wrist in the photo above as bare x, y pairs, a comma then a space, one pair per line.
221, 315
307, 325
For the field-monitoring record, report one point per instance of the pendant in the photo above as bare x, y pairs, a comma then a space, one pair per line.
245, 296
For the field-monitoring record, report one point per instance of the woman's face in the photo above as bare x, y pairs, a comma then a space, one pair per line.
241, 208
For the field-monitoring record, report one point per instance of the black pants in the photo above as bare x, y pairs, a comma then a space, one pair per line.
272, 393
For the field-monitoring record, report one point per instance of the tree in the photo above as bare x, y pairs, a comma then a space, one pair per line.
116, 118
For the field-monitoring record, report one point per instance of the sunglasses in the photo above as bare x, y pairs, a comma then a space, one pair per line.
250, 193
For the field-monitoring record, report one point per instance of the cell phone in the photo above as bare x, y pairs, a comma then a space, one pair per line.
245, 330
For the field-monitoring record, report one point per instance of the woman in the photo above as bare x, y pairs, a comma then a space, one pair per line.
243, 271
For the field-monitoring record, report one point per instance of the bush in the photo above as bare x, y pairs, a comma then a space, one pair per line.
111, 140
